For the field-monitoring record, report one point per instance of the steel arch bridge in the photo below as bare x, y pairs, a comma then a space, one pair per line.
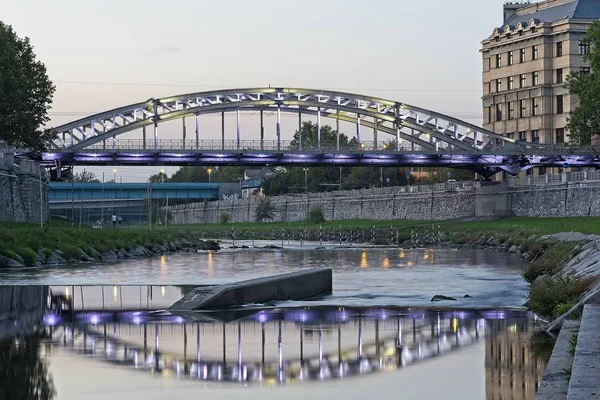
415, 136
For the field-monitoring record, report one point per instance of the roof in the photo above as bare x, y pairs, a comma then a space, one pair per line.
576, 9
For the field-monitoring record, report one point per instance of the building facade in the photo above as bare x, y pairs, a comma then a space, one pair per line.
525, 65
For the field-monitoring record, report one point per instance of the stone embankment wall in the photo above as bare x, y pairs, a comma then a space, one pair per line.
22, 197
563, 195
447, 201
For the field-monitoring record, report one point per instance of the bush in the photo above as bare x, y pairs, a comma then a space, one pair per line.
29, 256
224, 217
315, 215
551, 261
550, 295
265, 211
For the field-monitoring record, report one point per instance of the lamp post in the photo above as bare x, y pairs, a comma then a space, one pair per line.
209, 170
305, 179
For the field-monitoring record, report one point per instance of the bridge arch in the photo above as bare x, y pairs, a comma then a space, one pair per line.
429, 130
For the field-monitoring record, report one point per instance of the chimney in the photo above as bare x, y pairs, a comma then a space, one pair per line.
510, 8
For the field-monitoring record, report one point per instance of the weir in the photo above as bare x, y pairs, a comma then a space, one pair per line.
299, 285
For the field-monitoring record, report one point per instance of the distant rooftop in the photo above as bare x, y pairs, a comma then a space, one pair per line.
552, 10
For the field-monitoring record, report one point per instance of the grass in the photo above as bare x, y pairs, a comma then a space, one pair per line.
552, 296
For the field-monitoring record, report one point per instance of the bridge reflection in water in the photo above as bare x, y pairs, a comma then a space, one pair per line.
279, 346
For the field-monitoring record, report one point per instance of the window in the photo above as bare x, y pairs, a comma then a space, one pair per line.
498, 112
560, 135
534, 78
535, 106
511, 110
511, 135
523, 135
510, 58
534, 53
489, 87
522, 108
584, 71
510, 83
522, 55
535, 136
559, 52
522, 81
559, 104
559, 75
498, 85
584, 48
489, 115
498, 60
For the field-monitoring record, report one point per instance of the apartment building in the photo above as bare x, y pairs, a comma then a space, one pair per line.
525, 64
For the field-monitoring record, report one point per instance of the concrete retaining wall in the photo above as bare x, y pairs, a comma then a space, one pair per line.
22, 198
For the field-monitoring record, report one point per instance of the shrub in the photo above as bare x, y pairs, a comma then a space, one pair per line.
265, 211
546, 295
29, 256
552, 260
224, 217
315, 215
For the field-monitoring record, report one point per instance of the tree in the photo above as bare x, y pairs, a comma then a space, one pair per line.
25, 94
584, 121
328, 137
161, 177
265, 211
85, 177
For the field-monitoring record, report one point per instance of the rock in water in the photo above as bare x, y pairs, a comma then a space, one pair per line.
439, 297
466, 296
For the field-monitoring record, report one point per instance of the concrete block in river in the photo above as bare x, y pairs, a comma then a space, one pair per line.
299, 285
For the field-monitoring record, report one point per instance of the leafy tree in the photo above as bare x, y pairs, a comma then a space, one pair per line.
265, 211
25, 93
584, 121
328, 137
85, 177
315, 215
161, 177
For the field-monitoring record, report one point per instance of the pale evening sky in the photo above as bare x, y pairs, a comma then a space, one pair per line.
111, 53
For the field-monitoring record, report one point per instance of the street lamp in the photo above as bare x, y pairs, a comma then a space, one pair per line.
114, 175
209, 170
305, 179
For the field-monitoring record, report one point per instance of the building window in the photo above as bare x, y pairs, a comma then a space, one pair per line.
511, 135
535, 106
535, 136
559, 52
559, 104
560, 135
522, 81
534, 78
559, 75
498, 60
522, 108
498, 112
510, 83
489, 87
534, 53
510, 58
511, 110
584, 48
498, 85
489, 115
523, 136
584, 71
522, 55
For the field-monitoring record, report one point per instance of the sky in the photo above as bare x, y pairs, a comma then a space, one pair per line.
110, 53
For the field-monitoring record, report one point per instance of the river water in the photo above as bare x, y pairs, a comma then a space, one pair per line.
373, 336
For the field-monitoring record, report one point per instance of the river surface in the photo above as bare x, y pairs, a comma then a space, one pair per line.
377, 335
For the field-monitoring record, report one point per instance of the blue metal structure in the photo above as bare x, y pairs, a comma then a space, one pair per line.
61, 192
416, 137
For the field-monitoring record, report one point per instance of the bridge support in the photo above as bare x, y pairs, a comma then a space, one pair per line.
300, 129
143, 138
375, 123
319, 129
278, 128
197, 131
238, 128
184, 133
358, 130
262, 131
222, 130
337, 128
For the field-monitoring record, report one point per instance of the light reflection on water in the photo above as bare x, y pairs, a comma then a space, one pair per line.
253, 346
362, 276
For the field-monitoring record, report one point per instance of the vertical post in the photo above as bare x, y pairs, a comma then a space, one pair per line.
319, 129
398, 129
262, 130
102, 210
300, 129
238, 127
184, 132
197, 131
166, 212
337, 129
375, 126
223, 130
41, 200
278, 127
358, 129
144, 137
155, 118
